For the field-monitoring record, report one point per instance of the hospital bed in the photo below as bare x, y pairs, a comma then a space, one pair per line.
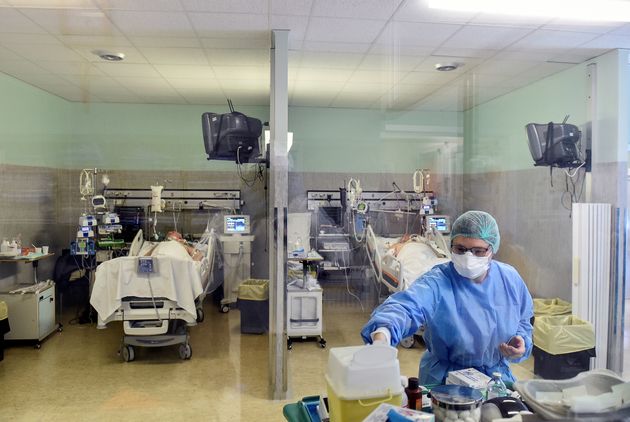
156, 297
416, 256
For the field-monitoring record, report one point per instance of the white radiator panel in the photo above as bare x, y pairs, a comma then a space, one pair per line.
592, 234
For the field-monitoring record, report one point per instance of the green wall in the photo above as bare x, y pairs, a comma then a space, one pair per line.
33, 124
495, 137
41, 129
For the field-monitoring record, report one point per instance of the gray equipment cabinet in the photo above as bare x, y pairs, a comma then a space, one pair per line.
31, 315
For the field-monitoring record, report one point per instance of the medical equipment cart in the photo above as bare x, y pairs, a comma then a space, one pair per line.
31, 306
304, 306
32, 314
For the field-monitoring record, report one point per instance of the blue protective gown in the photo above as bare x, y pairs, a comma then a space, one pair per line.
464, 322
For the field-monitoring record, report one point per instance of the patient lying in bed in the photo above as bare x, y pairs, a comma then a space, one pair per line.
174, 246
415, 256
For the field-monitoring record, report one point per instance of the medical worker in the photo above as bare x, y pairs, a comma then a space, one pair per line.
475, 311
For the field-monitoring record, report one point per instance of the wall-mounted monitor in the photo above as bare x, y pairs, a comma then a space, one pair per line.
231, 136
236, 224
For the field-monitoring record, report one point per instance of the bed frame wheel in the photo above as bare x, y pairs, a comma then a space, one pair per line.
225, 308
37, 345
200, 315
322, 343
289, 344
185, 351
407, 342
128, 354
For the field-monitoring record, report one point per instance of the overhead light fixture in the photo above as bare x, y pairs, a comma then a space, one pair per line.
602, 10
109, 56
446, 67
289, 140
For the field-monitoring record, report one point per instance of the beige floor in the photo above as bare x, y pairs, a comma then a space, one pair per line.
77, 374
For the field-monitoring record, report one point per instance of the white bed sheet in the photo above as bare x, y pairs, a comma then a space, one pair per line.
176, 279
416, 258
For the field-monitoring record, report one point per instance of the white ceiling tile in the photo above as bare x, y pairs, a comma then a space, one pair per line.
72, 93
622, 30
222, 25
309, 87
485, 37
312, 59
150, 98
542, 71
416, 33
182, 56
581, 26
511, 20
241, 72
208, 100
21, 67
145, 5
504, 67
116, 95
96, 41
149, 24
51, 52
13, 21
464, 52
429, 78
189, 84
295, 24
336, 47
192, 72
291, 7
53, 4
396, 49
544, 38
609, 42
258, 85
373, 89
536, 55
359, 9
324, 75
90, 53
238, 57
376, 76
9, 55
578, 55
45, 81
15, 39
418, 11
319, 100
227, 6
128, 70
229, 43
72, 21
390, 63
146, 86
70, 68
343, 30
485, 80
96, 83
165, 42
405, 92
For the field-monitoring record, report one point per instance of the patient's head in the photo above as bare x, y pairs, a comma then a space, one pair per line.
173, 235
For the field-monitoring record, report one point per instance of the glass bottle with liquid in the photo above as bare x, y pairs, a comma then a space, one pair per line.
496, 387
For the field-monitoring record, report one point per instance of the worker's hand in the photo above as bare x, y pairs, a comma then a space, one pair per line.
379, 338
513, 349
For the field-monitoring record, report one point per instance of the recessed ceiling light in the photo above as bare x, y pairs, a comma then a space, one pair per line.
109, 56
446, 67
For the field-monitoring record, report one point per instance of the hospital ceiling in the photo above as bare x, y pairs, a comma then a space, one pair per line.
378, 54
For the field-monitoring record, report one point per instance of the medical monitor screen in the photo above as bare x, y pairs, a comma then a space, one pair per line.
442, 223
236, 224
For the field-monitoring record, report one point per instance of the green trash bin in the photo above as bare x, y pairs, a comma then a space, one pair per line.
253, 302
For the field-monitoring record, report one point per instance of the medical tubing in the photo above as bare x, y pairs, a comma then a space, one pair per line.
345, 273
157, 314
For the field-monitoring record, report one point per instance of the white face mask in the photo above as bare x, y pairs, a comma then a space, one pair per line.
469, 265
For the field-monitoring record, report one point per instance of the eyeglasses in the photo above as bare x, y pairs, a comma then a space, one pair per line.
479, 252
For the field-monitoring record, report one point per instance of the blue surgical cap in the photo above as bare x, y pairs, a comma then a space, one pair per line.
478, 225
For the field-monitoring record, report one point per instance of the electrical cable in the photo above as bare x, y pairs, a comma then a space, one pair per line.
157, 314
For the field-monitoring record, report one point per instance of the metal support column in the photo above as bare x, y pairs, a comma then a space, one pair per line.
278, 203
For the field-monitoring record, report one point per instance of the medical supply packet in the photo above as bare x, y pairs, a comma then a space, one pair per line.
382, 414
469, 377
